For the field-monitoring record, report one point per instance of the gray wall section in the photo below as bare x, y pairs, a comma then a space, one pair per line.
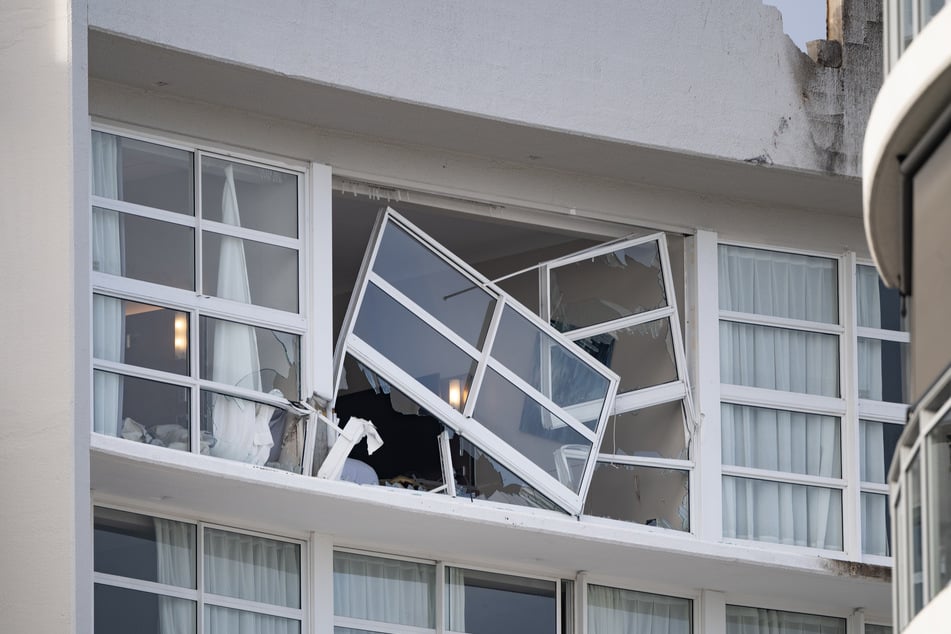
44, 445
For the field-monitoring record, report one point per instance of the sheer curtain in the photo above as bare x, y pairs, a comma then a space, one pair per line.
743, 620
255, 569
617, 611
796, 287
869, 350
175, 545
456, 599
384, 590
240, 429
106, 258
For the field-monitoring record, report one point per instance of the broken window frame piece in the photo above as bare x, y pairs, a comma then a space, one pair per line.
637, 399
463, 422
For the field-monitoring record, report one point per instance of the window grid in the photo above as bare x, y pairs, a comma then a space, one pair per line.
197, 303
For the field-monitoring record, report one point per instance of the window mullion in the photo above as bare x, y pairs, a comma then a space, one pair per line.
622, 322
784, 476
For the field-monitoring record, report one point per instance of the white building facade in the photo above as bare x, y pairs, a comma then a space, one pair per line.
628, 364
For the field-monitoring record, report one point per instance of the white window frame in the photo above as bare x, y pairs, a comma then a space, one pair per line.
198, 594
804, 403
462, 422
677, 390
313, 186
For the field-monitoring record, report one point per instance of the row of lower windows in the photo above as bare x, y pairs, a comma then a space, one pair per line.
161, 575
200, 342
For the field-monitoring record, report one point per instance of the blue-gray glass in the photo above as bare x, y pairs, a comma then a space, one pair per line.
878, 305
606, 287
411, 344
480, 602
145, 335
142, 173
143, 249
143, 547
877, 444
882, 370
275, 364
267, 199
140, 410
642, 355
482, 477
658, 431
120, 611
249, 271
435, 285
544, 363
531, 429
643, 495
252, 568
221, 619
779, 358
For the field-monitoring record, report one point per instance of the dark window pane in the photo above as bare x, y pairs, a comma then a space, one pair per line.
882, 370
480, 602
140, 334
642, 355
142, 547
120, 611
143, 249
143, 411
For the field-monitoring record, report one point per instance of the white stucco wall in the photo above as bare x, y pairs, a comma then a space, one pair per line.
44, 446
686, 75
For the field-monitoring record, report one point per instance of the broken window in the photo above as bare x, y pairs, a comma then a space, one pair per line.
477, 361
477, 396
617, 302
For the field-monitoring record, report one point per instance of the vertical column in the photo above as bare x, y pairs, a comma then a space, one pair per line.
45, 534
322, 572
712, 613
703, 344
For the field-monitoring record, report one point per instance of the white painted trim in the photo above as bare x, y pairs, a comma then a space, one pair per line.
141, 585
882, 412
756, 319
321, 565
380, 626
318, 258
604, 249
712, 611
646, 461
650, 396
141, 211
621, 322
777, 399
899, 336
252, 235
785, 477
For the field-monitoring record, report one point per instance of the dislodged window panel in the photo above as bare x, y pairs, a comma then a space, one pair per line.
196, 306
617, 302
476, 360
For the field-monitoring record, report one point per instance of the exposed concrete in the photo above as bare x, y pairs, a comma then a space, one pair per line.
44, 445
825, 52
684, 76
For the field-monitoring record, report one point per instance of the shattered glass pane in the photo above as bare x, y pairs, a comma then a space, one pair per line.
607, 287
645, 495
438, 288
655, 432
642, 355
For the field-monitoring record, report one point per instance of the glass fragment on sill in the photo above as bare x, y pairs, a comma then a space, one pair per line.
643, 495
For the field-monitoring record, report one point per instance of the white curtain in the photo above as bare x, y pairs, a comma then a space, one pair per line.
240, 427
743, 620
869, 350
252, 568
617, 611
107, 320
175, 545
456, 599
874, 507
798, 287
384, 590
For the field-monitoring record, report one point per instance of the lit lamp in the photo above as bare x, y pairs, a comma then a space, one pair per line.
181, 335
455, 393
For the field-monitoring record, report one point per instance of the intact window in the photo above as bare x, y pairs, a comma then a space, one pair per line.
197, 319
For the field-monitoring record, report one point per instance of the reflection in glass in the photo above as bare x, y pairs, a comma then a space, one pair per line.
252, 568
433, 284
778, 284
740, 620
779, 359
479, 476
779, 440
877, 443
882, 370
267, 198
658, 431
269, 361
782, 513
607, 287
245, 431
384, 590
412, 345
545, 364
531, 429
644, 495
939, 493
143, 547
260, 274
143, 411
876, 525
120, 611
153, 337
222, 619
143, 249
479, 602
142, 173
642, 355
612, 610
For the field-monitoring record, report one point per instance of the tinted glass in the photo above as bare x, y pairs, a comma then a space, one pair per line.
120, 611
266, 199
143, 249
480, 602
140, 334
142, 547
657, 432
643, 495
878, 305
250, 272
